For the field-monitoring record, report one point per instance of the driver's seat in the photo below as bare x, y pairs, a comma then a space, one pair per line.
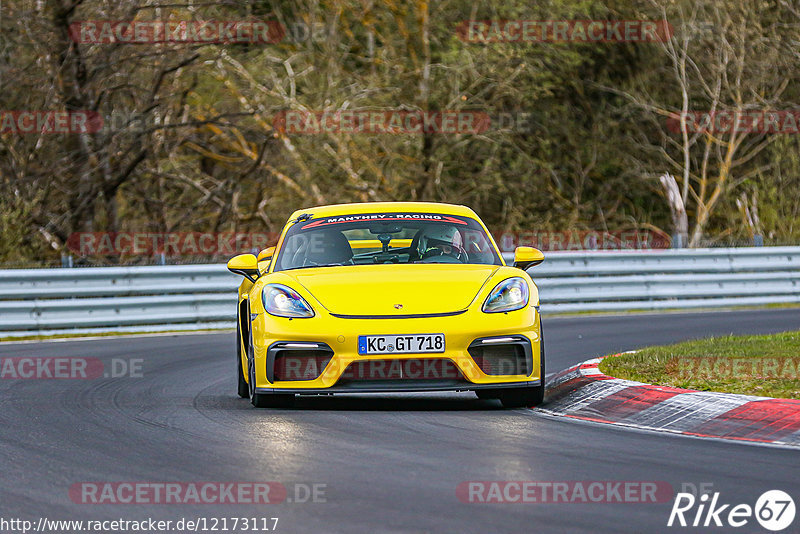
329, 246
413, 249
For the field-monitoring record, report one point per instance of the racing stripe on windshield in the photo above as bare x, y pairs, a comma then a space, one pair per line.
380, 217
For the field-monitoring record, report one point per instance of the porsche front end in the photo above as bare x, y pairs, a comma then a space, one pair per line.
388, 314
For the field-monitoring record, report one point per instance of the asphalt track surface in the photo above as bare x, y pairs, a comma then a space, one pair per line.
389, 463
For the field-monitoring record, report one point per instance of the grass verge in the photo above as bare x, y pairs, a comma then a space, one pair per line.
767, 365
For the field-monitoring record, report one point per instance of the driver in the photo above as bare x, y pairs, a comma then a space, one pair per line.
441, 241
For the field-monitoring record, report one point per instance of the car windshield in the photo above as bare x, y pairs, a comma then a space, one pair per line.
385, 238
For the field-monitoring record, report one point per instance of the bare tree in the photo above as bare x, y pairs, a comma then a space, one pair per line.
724, 61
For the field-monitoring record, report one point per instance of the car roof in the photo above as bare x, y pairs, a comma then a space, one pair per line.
386, 207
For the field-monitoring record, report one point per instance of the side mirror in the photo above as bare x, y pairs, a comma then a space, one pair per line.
525, 257
245, 265
266, 254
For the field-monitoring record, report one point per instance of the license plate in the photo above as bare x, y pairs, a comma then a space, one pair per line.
410, 344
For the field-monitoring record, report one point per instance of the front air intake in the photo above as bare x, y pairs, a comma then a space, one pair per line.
502, 356
291, 362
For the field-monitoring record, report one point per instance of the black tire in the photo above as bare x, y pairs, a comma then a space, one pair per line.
522, 397
244, 388
263, 400
272, 400
527, 397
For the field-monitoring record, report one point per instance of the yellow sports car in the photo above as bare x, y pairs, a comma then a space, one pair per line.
391, 296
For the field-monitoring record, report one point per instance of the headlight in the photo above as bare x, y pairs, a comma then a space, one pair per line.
508, 295
283, 301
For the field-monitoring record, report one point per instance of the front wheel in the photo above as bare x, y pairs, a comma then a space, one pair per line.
244, 388
527, 397
272, 400
264, 400
522, 397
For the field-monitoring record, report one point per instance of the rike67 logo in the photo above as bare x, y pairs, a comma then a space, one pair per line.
774, 510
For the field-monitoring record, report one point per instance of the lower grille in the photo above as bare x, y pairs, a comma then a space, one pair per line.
393, 370
294, 366
290, 362
505, 358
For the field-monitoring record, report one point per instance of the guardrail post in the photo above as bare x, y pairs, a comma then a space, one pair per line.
66, 261
677, 241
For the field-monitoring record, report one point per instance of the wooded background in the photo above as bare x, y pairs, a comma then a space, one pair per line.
188, 142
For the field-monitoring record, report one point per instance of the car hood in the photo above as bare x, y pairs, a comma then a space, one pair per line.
380, 289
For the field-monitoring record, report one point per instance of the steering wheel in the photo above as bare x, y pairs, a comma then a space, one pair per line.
460, 254
307, 262
440, 258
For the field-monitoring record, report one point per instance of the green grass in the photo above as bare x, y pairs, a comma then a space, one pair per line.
767, 366
777, 305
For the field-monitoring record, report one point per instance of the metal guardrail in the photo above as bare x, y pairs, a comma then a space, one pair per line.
668, 279
99, 299
52, 301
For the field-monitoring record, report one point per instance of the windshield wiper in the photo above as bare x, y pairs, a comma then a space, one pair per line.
315, 266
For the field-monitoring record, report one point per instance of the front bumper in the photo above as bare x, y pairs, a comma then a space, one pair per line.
406, 387
339, 336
